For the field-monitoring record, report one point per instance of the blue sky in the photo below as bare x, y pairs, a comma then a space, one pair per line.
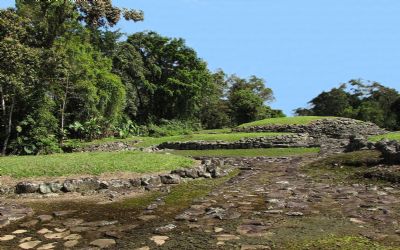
299, 47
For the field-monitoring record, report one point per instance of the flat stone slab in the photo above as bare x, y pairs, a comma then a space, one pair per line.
44, 231
73, 237
45, 217
63, 213
7, 237
20, 231
29, 244
103, 243
159, 240
48, 246
227, 237
10, 213
56, 235
71, 243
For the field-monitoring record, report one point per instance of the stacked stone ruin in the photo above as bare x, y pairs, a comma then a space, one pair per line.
331, 135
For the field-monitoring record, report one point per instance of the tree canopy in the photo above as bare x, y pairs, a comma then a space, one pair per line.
367, 101
65, 72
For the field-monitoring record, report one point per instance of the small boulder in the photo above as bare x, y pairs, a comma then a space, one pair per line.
170, 179
44, 188
135, 182
192, 173
179, 172
26, 187
151, 181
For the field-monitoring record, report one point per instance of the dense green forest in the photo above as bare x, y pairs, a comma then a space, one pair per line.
66, 72
366, 101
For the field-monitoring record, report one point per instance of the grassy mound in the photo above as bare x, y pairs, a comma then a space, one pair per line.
212, 135
297, 120
270, 152
90, 163
389, 136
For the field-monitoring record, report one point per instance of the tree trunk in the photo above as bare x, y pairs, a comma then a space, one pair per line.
63, 107
8, 127
3, 102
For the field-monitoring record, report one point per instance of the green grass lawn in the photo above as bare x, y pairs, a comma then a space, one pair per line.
389, 136
299, 120
90, 163
150, 141
271, 152
214, 131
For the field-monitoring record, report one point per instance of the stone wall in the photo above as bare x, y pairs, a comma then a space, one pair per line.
208, 169
390, 151
339, 128
282, 141
104, 147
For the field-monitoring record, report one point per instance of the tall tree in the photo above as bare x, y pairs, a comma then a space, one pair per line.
128, 64
214, 111
358, 99
17, 70
175, 76
331, 103
52, 19
247, 98
84, 86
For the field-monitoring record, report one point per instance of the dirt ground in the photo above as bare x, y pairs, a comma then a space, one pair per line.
275, 204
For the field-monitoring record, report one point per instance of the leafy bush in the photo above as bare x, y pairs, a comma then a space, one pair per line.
92, 129
35, 138
126, 129
173, 127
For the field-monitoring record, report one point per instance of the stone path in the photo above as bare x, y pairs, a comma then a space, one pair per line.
269, 205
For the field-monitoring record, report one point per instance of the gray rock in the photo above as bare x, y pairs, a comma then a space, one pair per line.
165, 229
390, 151
44, 188
79, 185
214, 171
216, 212
179, 172
192, 173
151, 181
135, 182
119, 184
170, 179
26, 187
103, 185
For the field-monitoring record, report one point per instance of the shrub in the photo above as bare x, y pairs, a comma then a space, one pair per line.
173, 127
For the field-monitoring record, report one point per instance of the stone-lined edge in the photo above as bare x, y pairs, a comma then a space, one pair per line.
211, 168
281, 141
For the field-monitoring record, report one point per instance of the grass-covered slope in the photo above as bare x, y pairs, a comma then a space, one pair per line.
389, 136
90, 163
203, 136
269, 152
296, 120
